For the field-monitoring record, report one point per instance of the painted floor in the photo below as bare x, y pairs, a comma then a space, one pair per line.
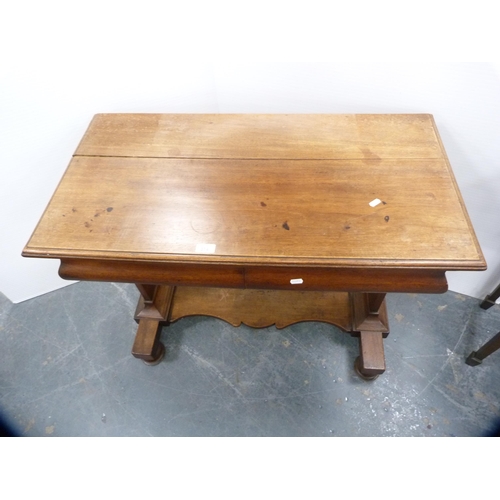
66, 370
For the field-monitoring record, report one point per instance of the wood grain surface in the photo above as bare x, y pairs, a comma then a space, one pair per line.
277, 136
262, 308
261, 189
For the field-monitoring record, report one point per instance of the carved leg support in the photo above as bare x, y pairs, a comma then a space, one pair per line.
152, 311
370, 323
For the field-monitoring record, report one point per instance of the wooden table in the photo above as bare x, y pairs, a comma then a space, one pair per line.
261, 219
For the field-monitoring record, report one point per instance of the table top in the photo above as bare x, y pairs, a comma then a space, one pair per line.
307, 190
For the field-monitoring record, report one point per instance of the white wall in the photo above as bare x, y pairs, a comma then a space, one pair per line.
63, 66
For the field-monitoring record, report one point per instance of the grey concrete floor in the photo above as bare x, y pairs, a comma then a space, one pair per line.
66, 370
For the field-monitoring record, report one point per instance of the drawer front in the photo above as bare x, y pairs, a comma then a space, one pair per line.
153, 273
346, 280
284, 278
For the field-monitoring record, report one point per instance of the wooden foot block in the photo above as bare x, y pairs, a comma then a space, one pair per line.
147, 345
372, 358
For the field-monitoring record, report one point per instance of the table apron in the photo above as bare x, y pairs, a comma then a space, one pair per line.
257, 277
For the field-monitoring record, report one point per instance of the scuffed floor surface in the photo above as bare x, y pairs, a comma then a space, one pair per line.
66, 370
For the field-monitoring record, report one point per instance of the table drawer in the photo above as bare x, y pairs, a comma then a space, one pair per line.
156, 273
346, 279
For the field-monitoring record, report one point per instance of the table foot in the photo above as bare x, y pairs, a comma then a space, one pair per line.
371, 361
358, 367
161, 355
147, 345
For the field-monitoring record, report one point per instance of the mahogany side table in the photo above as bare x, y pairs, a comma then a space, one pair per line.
261, 219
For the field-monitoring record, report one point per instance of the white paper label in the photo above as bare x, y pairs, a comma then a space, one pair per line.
205, 248
374, 203
297, 281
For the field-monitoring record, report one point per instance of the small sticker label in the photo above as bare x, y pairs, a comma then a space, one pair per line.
297, 281
205, 248
375, 202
